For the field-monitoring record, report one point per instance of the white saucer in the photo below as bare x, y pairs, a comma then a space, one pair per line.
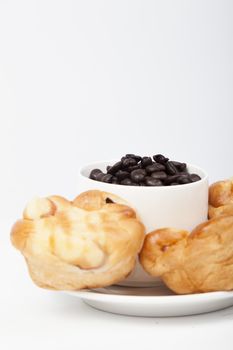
154, 301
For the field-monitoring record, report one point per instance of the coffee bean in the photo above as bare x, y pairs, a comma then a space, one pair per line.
160, 158
113, 169
184, 180
94, 173
121, 175
150, 181
115, 180
138, 175
170, 168
135, 167
137, 158
183, 167
181, 177
160, 175
146, 161
126, 181
99, 177
184, 173
135, 170
128, 162
154, 167
194, 177
170, 179
107, 178
180, 166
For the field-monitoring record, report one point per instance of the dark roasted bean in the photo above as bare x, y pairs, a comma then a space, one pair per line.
146, 161
107, 178
181, 177
170, 168
121, 174
130, 155
94, 173
194, 177
183, 167
135, 167
160, 175
184, 173
180, 166
170, 178
113, 169
142, 171
126, 181
150, 181
138, 175
154, 167
99, 177
160, 158
137, 158
184, 180
128, 162
115, 180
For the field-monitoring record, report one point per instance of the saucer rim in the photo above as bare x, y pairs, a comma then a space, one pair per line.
197, 297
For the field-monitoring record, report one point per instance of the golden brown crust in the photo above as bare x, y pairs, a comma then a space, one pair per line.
221, 198
20, 232
86, 243
155, 246
39, 208
199, 262
94, 200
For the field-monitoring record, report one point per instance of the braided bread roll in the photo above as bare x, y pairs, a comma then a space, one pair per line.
192, 263
221, 198
90, 242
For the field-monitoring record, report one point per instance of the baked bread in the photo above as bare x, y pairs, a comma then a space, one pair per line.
221, 198
88, 243
192, 263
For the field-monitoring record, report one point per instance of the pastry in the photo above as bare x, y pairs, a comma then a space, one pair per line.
192, 263
90, 242
221, 198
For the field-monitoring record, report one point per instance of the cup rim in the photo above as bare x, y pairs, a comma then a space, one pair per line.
138, 188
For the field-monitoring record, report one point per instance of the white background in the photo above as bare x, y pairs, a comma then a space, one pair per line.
87, 80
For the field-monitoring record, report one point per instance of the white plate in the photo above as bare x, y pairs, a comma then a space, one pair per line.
154, 301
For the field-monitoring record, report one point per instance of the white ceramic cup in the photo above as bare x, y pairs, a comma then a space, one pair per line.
181, 206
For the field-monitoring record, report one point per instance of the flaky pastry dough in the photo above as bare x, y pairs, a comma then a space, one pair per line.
192, 263
221, 198
88, 243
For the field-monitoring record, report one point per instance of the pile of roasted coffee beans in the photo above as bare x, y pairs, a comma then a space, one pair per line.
133, 170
